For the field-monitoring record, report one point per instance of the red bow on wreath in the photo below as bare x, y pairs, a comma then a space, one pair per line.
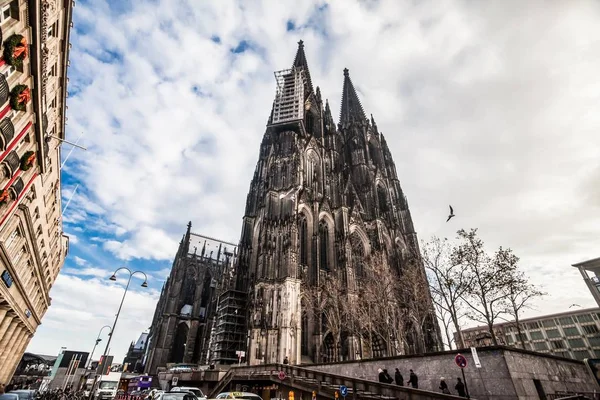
24, 96
21, 49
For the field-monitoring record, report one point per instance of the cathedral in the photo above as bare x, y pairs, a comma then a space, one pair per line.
324, 205
185, 316
325, 200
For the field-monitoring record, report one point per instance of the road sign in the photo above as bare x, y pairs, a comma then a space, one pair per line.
281, 375
174, 381
461, 361
475, 357
343, 391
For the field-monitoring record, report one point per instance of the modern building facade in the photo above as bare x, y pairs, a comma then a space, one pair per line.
593, 281
573, 334
324, 201
33, 80
184, 319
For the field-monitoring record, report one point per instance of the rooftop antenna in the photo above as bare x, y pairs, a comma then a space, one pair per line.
72, 148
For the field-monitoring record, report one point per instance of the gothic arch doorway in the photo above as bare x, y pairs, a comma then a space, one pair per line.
180, 341
330, 352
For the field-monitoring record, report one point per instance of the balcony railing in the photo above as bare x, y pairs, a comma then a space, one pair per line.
7, 132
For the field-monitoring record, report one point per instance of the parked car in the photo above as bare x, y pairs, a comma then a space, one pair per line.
195, 390
175, 396
238, 395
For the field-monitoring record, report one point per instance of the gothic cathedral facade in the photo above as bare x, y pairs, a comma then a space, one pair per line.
324, 199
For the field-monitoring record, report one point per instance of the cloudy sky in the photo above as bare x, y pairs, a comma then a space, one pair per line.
489, 106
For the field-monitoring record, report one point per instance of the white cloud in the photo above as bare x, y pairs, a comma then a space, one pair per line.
81, 307
79, 261
489, 107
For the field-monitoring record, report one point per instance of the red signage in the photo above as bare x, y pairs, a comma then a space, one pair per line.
461, 361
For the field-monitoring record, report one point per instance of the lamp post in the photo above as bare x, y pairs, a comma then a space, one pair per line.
112, 330
98, 340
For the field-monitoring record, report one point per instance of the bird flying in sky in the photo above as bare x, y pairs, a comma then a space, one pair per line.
451, 214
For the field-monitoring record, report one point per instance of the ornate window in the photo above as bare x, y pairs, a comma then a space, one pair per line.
323, 246
303, 230
382, 197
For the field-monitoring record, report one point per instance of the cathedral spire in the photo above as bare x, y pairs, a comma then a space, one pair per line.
300, 62
351, 108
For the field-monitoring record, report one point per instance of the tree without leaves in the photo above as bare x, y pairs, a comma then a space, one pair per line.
449, 283
520, 295
326, 302
487, 295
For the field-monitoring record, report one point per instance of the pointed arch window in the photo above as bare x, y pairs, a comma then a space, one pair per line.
382, 197
303, 230
323, 246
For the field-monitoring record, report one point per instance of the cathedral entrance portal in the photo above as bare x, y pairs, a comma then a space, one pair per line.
180, 342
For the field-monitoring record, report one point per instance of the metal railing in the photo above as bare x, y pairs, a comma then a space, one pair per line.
326, 384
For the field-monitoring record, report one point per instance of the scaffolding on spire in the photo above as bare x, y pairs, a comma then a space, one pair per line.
289, 97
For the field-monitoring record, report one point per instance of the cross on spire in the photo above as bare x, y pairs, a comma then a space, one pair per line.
300, 62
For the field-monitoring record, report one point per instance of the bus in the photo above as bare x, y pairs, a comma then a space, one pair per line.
139, 383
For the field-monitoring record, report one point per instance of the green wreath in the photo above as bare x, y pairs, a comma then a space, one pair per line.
14, 98
15, 50
27, 160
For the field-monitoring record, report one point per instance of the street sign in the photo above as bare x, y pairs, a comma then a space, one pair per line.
281, 375
175, 381
461, 361
475, 357
343, 391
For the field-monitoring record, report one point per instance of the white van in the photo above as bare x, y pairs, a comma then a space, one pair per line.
107, 386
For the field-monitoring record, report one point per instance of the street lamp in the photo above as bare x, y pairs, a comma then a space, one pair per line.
98, 340
112, 331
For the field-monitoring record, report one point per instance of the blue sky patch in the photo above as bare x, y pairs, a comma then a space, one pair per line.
215, 39
241, 47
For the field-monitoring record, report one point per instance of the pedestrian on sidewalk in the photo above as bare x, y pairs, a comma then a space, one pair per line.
388, 377
399, 378
286, 361
444, 386
460, 388
413, 380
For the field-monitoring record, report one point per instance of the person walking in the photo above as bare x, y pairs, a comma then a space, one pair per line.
444, 386
381, 376
388, 377
286, 361
413, 380
460, 388
399, 378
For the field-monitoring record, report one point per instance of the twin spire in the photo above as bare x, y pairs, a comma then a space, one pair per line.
351, 109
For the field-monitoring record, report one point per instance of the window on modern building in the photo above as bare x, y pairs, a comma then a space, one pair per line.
509, 339
557, 344
532, 325
552, 333
540, 346
571, 331
561, 353
524, 337
12, 238
576, 343
566, 321
36, 213
548, 323
589, 329
6, 14
536, 335
581, 354
585, 318
594, 341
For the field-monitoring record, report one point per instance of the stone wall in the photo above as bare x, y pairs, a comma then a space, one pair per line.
505, 373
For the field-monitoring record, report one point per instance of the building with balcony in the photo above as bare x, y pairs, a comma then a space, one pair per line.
34, 36
573, 334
